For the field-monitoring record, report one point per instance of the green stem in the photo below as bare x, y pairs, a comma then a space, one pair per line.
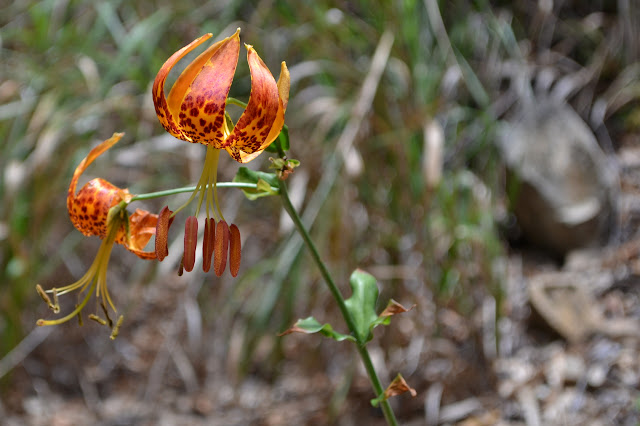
362, 349
234, 101
185, 189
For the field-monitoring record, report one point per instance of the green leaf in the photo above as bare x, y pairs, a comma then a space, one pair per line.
266, 183
282, 139
362, 304
310, 326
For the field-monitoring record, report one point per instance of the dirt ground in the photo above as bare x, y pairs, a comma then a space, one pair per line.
567, 354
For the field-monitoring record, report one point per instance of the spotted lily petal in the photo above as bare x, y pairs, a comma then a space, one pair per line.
283, 94
142, 225
255, 123
194, 109
284, 82
163, 112
89, 208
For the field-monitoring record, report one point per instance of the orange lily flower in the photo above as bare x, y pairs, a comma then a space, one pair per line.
91, 212
195, 111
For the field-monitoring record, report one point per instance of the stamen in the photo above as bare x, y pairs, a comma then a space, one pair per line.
162, 233
200, 187
56, 304
106, 314
97, 319
75, 312
221, 247
214, 171
53, 306
116, 329
234, 250
95, 279
208, 174
103, 256
181, 267
190, 242
208, 242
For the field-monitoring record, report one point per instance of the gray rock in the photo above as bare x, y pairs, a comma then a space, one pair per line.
562, 187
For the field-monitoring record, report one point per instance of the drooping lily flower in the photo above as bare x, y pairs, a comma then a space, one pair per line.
195, 111
98, 209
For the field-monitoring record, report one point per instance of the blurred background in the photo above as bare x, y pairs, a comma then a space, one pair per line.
481, 159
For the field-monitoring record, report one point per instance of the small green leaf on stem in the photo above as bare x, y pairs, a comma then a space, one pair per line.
397, 387
266, 183
282, 140
262, 186
310, 325
362, 304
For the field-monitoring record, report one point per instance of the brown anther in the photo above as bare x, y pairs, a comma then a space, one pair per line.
208, 242
234, 250
221, 247
190, 242
162, 233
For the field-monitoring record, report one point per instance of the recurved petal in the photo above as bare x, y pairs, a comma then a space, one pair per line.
255, 123
93, 154
283, 94
284, 82
198, 96
159, 100
142, 225
89, 209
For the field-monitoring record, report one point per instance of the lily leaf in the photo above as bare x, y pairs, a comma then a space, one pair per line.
311, 325
265, 183
282, 139
362, 304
